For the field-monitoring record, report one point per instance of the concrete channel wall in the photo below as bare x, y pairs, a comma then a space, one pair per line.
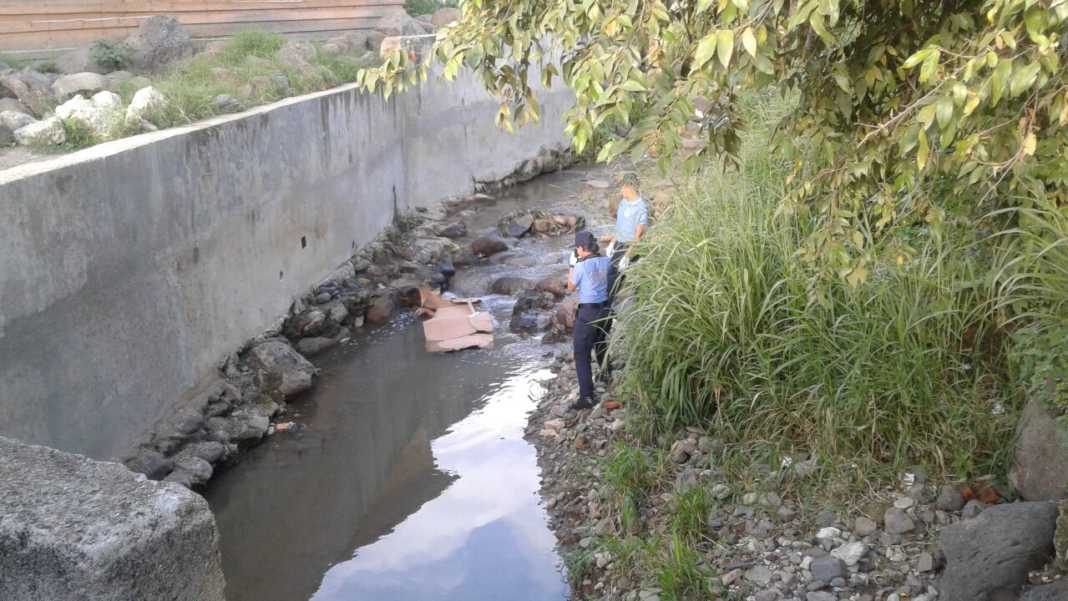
130, 269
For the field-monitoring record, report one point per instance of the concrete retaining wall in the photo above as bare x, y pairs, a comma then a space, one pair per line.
128, 270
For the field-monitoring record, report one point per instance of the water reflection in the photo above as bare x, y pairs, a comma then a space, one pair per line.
484, 537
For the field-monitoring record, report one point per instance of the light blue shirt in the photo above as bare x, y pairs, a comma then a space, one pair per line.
629, 216
590, 276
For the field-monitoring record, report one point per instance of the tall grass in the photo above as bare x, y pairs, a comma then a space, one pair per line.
721, 333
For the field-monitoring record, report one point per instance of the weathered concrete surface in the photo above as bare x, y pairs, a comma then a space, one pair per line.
73, 529
128, 270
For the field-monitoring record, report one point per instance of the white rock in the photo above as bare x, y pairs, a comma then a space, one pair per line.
144, 102
107, 100
904, 502
101, 118
850, 553
829, 532
45, 132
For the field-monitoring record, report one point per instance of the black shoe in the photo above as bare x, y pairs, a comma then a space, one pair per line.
582, 404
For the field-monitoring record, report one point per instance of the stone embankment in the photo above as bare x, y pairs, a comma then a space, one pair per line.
762, 540
249, 400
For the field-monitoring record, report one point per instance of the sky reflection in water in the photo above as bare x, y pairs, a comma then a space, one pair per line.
483, 538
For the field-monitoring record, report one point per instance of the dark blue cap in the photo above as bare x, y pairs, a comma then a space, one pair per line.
585, 239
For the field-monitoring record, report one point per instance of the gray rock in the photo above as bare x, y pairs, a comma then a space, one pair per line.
820, 596
281, 368
32, 89
381, 309
444, 16
75, 529
826, 518
13, 105
209, 451
825, 569
246, 426
159, 40
896, 521
972, 509
225, 103
510, 286
759, 574
78, 60
768, 595
488, 246
851, 553
190, 471
517, 226
456, 229
1040, 469
151, 463
925, 562
117, 78
950, 498
77, 83
400, 24
309, 347
995, 550
1057, 591
863, 526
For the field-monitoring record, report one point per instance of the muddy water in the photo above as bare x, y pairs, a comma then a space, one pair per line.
409, 479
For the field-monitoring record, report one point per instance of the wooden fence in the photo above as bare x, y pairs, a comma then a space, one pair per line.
36, 26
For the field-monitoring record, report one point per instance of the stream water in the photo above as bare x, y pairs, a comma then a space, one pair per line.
410, 479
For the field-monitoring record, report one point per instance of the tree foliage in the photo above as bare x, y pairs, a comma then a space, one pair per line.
906, 111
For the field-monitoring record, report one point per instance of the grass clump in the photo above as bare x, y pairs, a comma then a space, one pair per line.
427, 7
110, 54
730, 330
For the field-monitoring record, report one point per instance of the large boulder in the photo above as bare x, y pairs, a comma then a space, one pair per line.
381, 309
995, 551
47, 132
1040, 471
158, 42
72, 529
297, 55
281, 368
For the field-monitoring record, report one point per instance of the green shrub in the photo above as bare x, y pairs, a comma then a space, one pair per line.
79, 135
728, 329
426, 7
110, 54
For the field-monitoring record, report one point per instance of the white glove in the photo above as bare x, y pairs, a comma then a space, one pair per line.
573, 259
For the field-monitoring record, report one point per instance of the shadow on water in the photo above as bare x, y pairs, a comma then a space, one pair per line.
410, 480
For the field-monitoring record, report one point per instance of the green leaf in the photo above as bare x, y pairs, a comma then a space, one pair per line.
705, 49
917, 58
702, 5
930, 65
749, 41
634, 86
944, 109
1023, 79
998, 80
725, 46
921, 150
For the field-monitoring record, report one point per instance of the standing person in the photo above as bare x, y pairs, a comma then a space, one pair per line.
590, 277
632, 220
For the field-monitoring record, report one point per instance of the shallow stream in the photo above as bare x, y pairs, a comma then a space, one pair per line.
409, 478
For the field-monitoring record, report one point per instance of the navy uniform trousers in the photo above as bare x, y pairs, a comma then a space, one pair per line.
589, 340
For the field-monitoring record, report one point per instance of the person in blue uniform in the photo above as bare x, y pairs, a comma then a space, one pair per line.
632, 220
590, 277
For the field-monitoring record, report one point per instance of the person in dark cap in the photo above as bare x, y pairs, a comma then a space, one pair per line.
590, 277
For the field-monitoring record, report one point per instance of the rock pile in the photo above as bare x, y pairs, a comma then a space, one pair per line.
915, 543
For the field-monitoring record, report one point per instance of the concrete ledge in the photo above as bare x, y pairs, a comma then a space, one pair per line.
76, 529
